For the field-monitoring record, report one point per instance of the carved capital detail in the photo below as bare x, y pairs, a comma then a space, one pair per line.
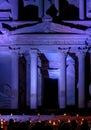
64, 50
83, 49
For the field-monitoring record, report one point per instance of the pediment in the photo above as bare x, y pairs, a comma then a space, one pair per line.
88, 31
5, 5
40, 27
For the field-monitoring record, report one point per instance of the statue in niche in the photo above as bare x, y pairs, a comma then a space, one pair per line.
5, 10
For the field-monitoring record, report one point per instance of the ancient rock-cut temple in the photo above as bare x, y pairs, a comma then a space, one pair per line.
45, 54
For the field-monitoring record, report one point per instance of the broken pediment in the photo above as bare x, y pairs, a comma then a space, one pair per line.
5, 5
42, 27
5, 10
88, 30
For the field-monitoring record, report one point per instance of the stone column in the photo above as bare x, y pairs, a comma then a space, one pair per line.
39, 83
70, 81
89, 101
33, 79
27, 80
90, 64
90, 75
40, 9
81, 79
14, 9
62, 80
14, 79
47, 4
81, 9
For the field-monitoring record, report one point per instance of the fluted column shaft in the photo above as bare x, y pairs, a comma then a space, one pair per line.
14, 79
39, 83
81, 79
14, 9
27, 80
90, 75
33, 79
90, 67
62, 80
81, 9
47, 4
40, 8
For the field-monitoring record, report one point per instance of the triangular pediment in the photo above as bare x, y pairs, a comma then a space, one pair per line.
43, 27
47, 27
5, 5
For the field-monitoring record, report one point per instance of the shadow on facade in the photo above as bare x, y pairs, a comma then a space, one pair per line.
27, 13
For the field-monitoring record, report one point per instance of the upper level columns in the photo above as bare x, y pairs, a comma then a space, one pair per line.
46, 5
62, 80
81, 79
14, 79
40, 8
33, 79
14, 9
81, 9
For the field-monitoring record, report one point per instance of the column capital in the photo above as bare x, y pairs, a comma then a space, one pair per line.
34, 50
27, 58
14, 50
82, 51
64, 50
89, 49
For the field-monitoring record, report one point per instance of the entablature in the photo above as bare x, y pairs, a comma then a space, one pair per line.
44, 42
50, 39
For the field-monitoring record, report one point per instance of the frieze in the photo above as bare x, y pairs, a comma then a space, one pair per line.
49, 42
6, 39
50, 38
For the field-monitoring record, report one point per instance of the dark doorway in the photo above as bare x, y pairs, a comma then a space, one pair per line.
50, 98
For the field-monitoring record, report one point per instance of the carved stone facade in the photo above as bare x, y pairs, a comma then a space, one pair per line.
45, 60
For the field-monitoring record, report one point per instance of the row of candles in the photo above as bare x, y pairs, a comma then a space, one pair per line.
52, 121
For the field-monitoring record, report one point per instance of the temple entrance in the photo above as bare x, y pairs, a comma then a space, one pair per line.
50, 97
